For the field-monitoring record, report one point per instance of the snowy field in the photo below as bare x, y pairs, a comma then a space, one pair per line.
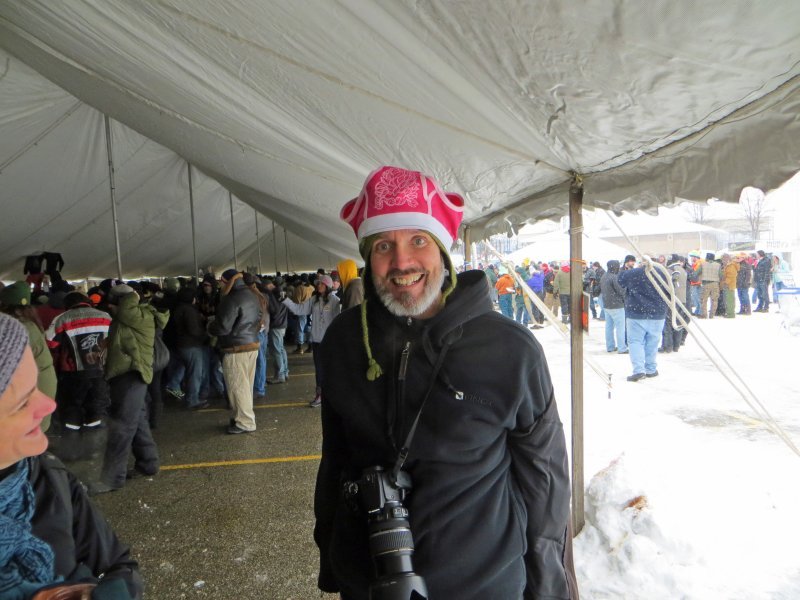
688, 494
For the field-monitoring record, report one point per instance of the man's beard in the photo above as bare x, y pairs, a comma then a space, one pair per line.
407, 305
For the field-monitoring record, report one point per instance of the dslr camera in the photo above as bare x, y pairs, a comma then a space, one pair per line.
380, 495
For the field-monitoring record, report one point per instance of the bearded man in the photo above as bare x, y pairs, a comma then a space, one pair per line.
425, 404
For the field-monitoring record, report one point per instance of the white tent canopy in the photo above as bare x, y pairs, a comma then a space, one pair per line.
555, 247
288, 105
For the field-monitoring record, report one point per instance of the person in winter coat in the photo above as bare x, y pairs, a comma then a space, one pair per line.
614, 306
761, 279
278, 320
77, 339
550, 299
561, 290
15, 301
645, 311
505, 287
323, 306
190, 340
780, 272
673, 335
426, 364
536, 283
743, 281
129, 370
236, 326
352, 285
730, 272
51, 535
710, 272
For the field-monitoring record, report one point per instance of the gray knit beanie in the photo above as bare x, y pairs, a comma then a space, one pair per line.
13, 339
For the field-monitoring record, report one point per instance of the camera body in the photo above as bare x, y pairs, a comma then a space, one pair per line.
391, 545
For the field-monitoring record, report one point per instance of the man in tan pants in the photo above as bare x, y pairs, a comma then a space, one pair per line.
237, 323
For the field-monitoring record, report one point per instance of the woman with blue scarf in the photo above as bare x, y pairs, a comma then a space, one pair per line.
53, 541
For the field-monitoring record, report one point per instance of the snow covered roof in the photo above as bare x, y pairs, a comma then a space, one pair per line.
289, 105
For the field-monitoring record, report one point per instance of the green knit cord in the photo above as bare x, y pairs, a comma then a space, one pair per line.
374, 370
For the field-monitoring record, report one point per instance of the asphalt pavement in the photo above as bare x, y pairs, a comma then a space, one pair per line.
228, 516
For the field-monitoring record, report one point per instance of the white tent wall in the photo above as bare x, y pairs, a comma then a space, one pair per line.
56, 195
289, 105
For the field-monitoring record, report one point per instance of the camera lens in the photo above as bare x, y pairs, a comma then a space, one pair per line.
390, 542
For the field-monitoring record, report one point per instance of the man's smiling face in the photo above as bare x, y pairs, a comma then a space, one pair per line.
408, 272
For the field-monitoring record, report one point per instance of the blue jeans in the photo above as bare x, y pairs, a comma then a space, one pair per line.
615, 326
175, 371
506, 305
300, 331
602, 308
194, 361
763, 298
744, 298
278, 353
694, 299
777, 287
260, 381
522, 313
644, 337
212, 376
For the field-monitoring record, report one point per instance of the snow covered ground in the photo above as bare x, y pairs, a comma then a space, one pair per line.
688, 494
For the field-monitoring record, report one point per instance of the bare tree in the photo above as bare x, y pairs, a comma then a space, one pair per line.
754, 207
695, 212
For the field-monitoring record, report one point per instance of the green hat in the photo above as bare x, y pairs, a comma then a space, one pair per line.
16, 294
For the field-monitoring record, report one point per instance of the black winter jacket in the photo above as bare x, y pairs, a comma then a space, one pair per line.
489, 508
238, 320
278, 313
66, 519
190, 330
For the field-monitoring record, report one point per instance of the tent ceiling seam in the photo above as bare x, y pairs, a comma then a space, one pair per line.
163, 109
25, 149
340, 82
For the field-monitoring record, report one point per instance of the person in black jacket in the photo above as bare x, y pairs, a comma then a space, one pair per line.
420, 378
51, 535
190, 337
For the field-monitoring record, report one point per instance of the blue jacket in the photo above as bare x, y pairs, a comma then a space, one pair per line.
642, 301
536, 282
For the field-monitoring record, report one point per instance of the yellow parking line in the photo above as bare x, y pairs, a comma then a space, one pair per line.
248, 461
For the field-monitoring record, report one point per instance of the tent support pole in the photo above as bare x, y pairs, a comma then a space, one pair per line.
191, 210
113, 200
258, 243
467, 248
286, 244
576, 339
233, 232
275, 247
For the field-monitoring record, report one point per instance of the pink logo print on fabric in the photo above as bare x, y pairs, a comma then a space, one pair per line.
397, 188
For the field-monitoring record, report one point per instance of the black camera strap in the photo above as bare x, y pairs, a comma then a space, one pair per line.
403, 454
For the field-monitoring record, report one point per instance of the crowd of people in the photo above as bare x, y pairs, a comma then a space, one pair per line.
637, 319
110, 354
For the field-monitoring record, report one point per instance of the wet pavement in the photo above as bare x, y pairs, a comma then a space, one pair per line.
228, 516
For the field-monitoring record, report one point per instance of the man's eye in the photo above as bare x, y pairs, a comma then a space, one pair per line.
382, 246
420, 241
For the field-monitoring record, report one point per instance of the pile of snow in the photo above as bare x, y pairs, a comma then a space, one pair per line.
688, 494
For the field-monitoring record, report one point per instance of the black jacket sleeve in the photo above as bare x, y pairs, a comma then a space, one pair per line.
75, 529
539, 462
